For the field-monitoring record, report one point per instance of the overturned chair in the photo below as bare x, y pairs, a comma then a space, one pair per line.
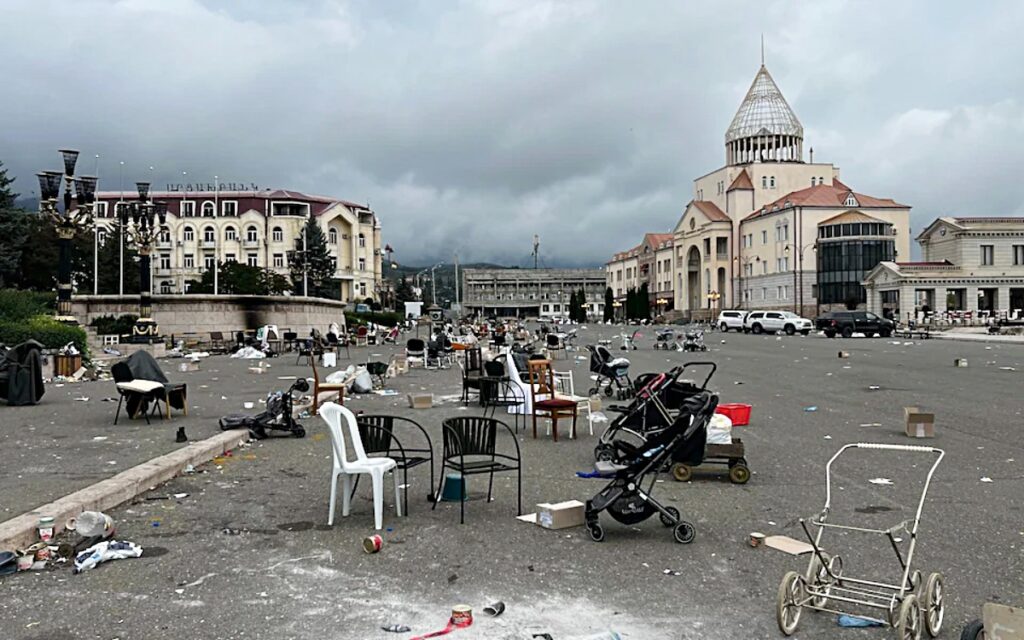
21, 374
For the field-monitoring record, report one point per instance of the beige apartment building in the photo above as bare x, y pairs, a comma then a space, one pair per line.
258, 228
770, 229
972, 268
531, 293
650, 262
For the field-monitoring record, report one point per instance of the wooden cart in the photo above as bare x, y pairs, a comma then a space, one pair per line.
729, 455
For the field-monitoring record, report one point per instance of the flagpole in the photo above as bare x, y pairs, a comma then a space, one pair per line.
216, 240
120, 235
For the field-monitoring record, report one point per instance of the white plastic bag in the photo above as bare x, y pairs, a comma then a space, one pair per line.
363, 382
719, 430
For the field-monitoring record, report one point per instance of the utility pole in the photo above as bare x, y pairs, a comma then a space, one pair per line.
216, 238
120, 235
457, 303
536, 249
96, 243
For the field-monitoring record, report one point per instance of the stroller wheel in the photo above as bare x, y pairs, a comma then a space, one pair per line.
739, 474
608, 391
596, 532
593, 391
684, 532
682, 472
299, 431
604, 453
670, 519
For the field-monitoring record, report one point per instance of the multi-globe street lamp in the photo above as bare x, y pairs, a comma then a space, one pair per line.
143, 222
76, 215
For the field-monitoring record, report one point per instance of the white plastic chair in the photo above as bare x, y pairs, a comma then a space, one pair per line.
564, 388
375, 467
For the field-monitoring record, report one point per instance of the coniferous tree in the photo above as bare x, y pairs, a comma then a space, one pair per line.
315, 263
643, 303
609, 304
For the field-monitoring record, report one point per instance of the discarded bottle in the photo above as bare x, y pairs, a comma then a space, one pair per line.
93, 523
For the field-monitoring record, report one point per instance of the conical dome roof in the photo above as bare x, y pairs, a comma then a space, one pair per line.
764, 111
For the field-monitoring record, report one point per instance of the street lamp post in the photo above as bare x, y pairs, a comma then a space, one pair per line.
77, 214
713, 297
433, 283
798, 276
143, 222
616, 305
741, 263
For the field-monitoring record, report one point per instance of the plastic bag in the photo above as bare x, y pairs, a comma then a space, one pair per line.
103, 551
363, 382
719, 430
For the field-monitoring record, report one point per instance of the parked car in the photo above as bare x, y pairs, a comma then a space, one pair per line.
772, 321
730, 320
846, 323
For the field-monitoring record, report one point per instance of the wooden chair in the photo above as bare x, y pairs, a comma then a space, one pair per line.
544, 400
217, 343
361, 336
319, 386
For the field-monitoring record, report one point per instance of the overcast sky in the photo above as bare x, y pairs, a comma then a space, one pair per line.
470, 125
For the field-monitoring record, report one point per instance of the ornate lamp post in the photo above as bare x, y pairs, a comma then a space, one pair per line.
741, 264
143, 222
77, 214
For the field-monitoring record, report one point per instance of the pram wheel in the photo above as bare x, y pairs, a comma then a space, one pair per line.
787, 603
596, 532
299, 431
608, 391
909, 623
684, 532
604, 453
683, 472
973, 630
593, 391
934, 606
671, 518
820, 579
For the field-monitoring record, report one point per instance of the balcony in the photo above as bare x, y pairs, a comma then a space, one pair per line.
207, 244
164, 244
251, 244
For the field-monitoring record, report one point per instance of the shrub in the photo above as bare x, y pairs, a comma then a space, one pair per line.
46, 329
111, 326
18, 305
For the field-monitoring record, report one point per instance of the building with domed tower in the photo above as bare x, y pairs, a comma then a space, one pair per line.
773, 230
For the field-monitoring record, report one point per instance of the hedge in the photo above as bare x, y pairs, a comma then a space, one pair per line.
46, 329
18, 305
386, 318
108, 325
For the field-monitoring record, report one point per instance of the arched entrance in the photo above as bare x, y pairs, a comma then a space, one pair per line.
693, 279
721, 284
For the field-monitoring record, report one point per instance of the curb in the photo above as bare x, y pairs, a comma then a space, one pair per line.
21, 531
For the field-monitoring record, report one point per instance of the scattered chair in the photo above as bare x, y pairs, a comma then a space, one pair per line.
21, 374
217, 343
554, 344
291, 340
333, 414
335, 343
138, 393
143, 367
310, 349
362, 334
497, 389
543, 400
319, 386
472, 369
378, 436
470, 448
566, 389
416, 348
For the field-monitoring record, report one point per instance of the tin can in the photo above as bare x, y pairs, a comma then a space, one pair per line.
372, 544
462, 616
756, 539
45, 527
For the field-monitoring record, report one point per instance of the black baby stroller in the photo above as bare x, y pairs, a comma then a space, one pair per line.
612, 373
666, 339
277, 417
625, 498
659, 398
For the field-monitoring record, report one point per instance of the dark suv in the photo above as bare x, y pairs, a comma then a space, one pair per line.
846, 323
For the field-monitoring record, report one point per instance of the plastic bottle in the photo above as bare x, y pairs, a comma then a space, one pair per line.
93, 523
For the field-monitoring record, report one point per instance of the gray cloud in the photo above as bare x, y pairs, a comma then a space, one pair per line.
472, 125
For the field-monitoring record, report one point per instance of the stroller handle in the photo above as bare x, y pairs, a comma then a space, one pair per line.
897, 447
703, 363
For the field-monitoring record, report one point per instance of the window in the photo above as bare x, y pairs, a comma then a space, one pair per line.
208, 262
231, 233
165, 236
764, 266
278, 260
764, 237
165, 287
278, 234
362, 241
332, 236
208, 209
764, 182
764, 293
251, 234
165, 261
101, 209
251, 259
785, 232
986, 254
101, 235
188, 209
190, 261
362, 264
851, 201
362, 289
230, 257
187, 234
821, 180
1018, 254
209, 234
813, 181
229, 208
772, 182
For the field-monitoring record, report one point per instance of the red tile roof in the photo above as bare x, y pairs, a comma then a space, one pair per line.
824, 195
742, 181
711, 210
850, 216
1009, 219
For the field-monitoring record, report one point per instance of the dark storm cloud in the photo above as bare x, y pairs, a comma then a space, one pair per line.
472, 125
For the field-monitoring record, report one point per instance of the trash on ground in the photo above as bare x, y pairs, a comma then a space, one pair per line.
882, 481
396, 628
495, 610
986, 479
788, 545
810, 409
104, 551
844, 620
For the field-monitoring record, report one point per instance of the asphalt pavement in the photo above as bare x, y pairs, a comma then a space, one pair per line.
247, 554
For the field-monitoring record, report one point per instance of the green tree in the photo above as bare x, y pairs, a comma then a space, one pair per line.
109, 259
13, 228
403, 294
573, 307
581, 301
609, 304
643, 303
314, 263
241, 279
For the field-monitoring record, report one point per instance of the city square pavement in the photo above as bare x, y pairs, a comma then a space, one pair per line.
247, 553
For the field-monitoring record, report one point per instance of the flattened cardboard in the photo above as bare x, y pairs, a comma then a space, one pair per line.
788, 545
1003, 622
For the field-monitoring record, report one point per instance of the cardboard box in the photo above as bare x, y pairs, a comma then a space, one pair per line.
844, 354
401, 365
561, 515
421, 400
188, 365
918, 423
330, 359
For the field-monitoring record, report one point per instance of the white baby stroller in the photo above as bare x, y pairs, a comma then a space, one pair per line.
611, 373
694, 341
666, 339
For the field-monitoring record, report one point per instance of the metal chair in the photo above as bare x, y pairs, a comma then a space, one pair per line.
378, 435
554, 344
497, 389
416, 348
470, 448
472, 369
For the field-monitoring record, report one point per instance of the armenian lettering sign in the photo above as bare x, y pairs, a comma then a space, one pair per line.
212, 186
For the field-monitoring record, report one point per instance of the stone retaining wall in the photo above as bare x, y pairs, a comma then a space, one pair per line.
201, 314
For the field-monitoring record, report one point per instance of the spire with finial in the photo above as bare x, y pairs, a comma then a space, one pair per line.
762, 49
764, 129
